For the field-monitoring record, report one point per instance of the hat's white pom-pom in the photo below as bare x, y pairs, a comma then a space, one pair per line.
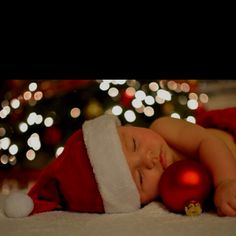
18, 204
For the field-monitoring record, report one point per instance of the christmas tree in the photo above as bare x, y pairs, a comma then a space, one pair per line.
37, 116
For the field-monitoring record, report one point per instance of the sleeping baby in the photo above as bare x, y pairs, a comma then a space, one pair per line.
109, 168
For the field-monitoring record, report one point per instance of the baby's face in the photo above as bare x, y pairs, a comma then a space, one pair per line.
148, 155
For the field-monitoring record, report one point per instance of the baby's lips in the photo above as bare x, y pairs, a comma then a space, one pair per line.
162, 163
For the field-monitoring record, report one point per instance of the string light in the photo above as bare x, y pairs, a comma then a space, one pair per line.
130, 91
75, 112
153, 86
192, 104
117, 110
27, 95
33, 86
159, 100
143, 98
31, 97
32, 118
5, 143
136, 103
34, 142
38, 95
193, 96
149, 100
113, 92
5, 112
175, 115
148, 111
120, 82
23, 127
161, 96
130, 116
4, 159
185, 87
164, 94
172, 85
203, 98
30, 154
140, 109
13, 149
178, 88
15, 103
39, 119
140, 95
2, 131
104, 85
48, 121
191, 119
12, 160
59, 151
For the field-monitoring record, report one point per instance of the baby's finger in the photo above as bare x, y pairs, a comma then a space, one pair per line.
227, 210
232, 203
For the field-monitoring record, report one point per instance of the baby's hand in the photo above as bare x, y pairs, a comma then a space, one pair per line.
225, 198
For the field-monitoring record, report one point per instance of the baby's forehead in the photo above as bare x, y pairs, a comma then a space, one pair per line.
131, 129
125, 130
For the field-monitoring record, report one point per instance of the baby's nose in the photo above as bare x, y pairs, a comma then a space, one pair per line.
150, 161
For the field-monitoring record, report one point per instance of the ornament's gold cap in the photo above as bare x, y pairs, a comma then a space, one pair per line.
193, 209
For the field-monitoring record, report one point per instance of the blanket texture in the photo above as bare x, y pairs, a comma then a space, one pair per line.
154, 219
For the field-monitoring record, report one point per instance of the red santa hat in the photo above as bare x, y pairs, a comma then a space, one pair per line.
90, 175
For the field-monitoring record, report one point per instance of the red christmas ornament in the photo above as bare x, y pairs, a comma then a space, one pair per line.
184, 186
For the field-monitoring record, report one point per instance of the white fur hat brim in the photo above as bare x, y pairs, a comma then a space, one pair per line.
114, 179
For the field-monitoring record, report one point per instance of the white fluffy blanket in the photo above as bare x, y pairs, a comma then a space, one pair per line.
153, 219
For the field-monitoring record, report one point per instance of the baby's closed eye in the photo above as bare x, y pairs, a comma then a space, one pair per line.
134, 145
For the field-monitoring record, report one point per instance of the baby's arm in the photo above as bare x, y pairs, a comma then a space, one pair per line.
195, 142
